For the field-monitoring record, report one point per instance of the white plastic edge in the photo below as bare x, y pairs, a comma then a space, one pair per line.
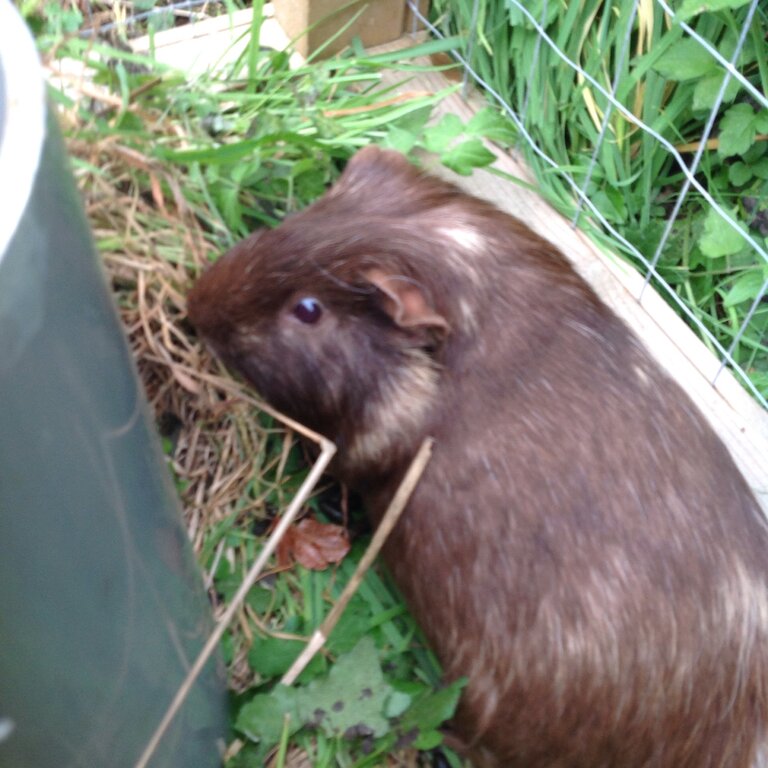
23, 132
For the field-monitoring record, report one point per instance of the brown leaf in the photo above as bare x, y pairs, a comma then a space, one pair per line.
313, 544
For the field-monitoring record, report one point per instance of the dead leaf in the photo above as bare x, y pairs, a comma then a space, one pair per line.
313, 544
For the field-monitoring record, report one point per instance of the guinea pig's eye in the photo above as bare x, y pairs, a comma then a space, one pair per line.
308, 310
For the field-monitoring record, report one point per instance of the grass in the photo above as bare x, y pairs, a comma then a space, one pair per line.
665, 78
173, 171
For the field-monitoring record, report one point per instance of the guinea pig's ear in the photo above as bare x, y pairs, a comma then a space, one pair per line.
376, 171
405, 302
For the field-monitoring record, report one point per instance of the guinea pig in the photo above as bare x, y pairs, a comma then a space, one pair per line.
581, 547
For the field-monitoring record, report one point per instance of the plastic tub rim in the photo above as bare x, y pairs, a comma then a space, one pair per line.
23, 132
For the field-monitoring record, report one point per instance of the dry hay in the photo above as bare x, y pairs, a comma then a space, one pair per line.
155, 250
153, 247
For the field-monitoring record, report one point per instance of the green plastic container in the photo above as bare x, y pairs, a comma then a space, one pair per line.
102, 608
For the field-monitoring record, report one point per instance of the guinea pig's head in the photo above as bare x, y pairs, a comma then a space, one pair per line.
339, 317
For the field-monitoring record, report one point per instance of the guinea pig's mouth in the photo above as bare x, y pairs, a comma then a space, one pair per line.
243, 352
230, 350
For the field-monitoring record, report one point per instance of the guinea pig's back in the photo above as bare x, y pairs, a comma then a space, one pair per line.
585, 551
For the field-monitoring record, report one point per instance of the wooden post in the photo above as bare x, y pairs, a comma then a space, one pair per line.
375, 22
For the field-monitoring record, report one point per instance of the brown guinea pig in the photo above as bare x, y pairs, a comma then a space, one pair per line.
581, 546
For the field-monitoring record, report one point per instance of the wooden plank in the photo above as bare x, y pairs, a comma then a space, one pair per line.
194, 48
312, 23
207, 45
203, 45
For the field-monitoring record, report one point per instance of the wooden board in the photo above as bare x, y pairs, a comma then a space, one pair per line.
201, 46
738, 419
194, 49
328, 26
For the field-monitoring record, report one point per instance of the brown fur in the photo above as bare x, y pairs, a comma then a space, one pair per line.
581, 546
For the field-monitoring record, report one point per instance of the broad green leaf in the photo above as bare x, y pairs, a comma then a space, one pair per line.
489, 124
746, 287
352, 626
761, 121
727, 46
428, 740
760, 168
430, 711
437, 138
415, 120
737, 130
719, 238
685, 61
399, 139
397, 703
404, 133
706, 90
739, 173
466, 156
273, 657
262, 718
259, 599
352, 699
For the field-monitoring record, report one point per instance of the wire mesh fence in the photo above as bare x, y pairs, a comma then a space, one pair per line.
725, 57
159, 16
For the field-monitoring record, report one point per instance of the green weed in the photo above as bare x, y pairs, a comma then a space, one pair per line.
669, 81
